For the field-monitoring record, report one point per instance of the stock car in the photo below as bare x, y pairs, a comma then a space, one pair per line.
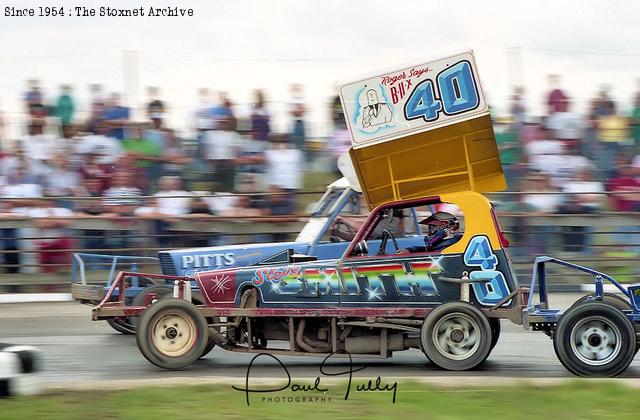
432, 146
377, 298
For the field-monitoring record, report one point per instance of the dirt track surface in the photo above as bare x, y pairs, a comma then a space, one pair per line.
81, 353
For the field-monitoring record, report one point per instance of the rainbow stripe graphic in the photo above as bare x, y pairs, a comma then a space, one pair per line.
392, 280
376, 281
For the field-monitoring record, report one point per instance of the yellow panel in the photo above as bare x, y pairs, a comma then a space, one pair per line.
458, 157
476, 209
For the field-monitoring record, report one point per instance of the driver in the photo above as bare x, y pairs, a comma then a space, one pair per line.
442, 232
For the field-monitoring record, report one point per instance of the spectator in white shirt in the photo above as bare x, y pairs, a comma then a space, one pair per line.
284, 175
20, 186
284, 164
570, 166
542, 147
583, 182
577, 201
17, 159
536, 202
122, 198
108, 149
62, 180
171, 200
222, 150
537, 238
38, 145
203, 120
568, 127
554, 158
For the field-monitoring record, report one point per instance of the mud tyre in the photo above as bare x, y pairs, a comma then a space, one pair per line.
595, 339
611, 299
456, 336
172, 334
161, 290
494, 323
617, 302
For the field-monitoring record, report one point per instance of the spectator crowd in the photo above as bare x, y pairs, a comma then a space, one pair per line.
561, 162
118, 161
564, 162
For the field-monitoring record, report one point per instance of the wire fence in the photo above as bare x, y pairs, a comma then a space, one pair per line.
30, 260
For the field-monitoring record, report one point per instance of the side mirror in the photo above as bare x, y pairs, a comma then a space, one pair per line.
360, 249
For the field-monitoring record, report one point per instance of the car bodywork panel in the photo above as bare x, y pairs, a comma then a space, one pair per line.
381, 280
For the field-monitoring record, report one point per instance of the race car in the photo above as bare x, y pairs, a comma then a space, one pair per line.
370, 302
373, 300
377, 300
423, 144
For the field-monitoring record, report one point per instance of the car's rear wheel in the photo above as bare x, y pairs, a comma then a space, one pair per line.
595, 339
160, 290
172, 333
456, 336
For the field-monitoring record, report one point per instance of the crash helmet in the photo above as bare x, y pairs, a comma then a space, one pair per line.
441, 221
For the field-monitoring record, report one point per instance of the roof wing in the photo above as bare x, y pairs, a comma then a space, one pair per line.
422, 130
459, 157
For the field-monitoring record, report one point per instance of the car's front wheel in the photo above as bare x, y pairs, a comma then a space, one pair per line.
595, 339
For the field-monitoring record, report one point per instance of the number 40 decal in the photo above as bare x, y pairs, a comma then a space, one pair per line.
458, 93
489, 284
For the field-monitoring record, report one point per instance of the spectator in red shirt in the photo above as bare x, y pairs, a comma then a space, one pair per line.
625, 181
92, 169
54, 243
557, 101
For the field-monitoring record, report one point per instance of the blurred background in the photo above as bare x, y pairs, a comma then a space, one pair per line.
131, 135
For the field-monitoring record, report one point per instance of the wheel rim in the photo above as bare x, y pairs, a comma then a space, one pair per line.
456, 336
596, 341
174, 334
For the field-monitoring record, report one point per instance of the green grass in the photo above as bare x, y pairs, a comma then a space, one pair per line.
578, 399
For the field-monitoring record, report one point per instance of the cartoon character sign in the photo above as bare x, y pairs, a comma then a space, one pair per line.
413, 99
376, 111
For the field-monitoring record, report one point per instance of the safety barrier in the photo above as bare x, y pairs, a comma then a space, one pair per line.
20, 368
609, 241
